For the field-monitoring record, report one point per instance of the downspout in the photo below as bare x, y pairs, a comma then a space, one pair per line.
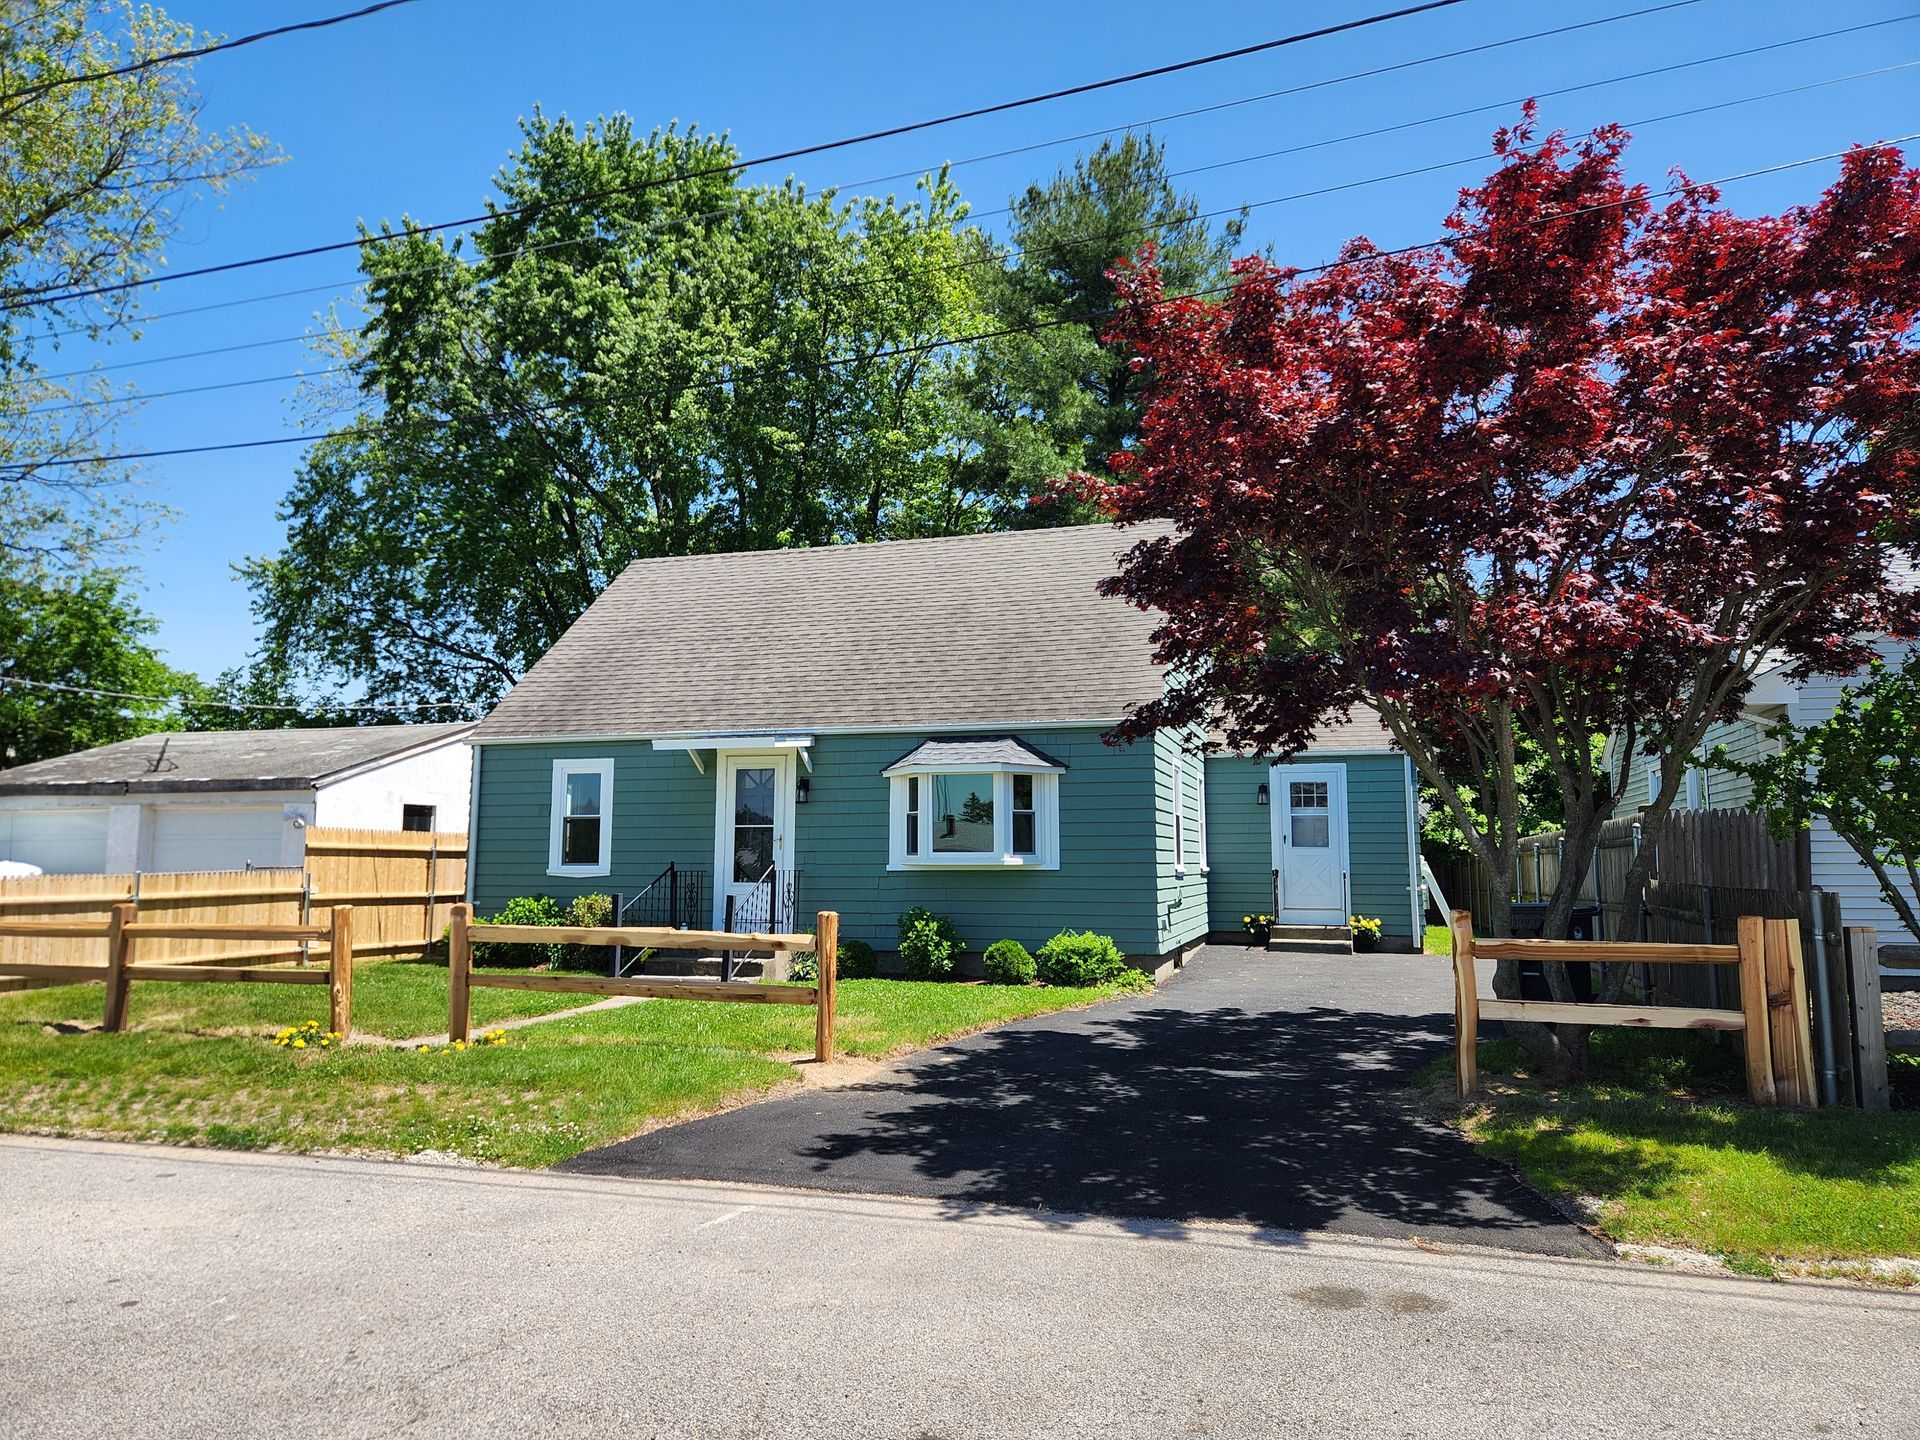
473, 821
1829, 1083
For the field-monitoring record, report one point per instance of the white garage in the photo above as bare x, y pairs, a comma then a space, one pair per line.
229, 799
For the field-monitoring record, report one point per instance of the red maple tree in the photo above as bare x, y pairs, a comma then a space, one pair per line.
1580, 468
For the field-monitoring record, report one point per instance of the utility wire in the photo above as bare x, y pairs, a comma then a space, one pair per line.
53, 296
1001, 257
927, 346
174, 57
1111, 130
184, 699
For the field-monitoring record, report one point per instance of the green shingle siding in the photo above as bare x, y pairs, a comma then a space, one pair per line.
663, 809
1112, 878
1240, 840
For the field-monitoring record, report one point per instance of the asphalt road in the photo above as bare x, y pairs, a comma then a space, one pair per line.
1257, 1088
157, 1293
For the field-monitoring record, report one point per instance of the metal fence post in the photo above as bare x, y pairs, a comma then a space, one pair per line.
1829, 1087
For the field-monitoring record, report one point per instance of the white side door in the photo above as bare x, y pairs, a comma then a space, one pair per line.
1310, 843
753, 831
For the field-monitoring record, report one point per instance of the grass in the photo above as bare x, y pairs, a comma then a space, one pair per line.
397, 999
1660, 1147
198, 1067
1439, 940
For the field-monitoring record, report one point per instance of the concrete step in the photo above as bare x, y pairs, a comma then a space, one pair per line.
1313, 939
707, 966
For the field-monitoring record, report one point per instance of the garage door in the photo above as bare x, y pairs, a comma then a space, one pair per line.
61, 842
215, 837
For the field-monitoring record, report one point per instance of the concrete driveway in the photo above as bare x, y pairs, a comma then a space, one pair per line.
1251, 1087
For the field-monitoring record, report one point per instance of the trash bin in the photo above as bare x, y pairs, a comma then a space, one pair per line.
1528, 917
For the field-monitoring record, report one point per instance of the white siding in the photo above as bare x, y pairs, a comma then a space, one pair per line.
372, 799
60, 839
1835, 867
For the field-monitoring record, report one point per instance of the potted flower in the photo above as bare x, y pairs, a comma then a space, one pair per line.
1366, 933
1258, 927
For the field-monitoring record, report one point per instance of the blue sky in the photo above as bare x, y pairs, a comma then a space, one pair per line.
411, 112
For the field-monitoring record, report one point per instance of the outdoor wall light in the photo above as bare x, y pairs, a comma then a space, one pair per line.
1260, 793
801, 789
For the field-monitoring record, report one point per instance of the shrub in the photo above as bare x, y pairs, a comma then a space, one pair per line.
521, 910
857, 960
1008, 963
1081, 959
928, 944
589, 910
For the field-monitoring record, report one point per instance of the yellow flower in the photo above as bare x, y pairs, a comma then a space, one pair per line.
299, 1044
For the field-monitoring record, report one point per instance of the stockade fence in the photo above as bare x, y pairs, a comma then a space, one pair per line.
463, 933
122, 930
1771, 1021
403, 883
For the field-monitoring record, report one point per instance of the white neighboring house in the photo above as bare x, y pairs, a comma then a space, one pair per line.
1831, 863
229, 799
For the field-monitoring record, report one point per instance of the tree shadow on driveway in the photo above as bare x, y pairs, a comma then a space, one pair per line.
1164, 1107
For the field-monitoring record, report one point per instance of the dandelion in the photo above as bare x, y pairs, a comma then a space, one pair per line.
299, 1044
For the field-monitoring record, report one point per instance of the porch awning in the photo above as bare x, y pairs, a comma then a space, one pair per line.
1000, 753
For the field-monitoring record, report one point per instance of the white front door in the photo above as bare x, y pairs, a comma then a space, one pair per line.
753, 837
1310, 843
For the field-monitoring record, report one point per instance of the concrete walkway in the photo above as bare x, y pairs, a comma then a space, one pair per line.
162, 1293
1251, 1087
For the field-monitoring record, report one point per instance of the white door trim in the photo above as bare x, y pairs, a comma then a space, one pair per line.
726, 762
1335, 777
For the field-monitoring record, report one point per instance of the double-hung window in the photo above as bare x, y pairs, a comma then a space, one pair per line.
974, 804
580, 840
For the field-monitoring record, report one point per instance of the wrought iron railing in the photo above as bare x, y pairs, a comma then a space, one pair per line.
675, 899
770, 907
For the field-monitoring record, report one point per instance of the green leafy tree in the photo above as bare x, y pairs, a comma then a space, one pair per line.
96, 170
670, 368
1859, 770
1062, 398
82, 632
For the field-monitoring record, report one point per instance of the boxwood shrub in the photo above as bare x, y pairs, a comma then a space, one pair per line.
1008, 963
521, 910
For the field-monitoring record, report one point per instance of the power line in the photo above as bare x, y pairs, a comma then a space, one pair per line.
927, 346
677, 220
174, 57
211, 703
1000, 257
1108, 132
51, 296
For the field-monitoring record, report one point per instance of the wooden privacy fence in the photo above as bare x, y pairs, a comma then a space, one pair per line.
462, 977
123, 928
403, 883
1771, 1020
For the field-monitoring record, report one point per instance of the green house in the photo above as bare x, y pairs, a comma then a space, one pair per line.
736, 741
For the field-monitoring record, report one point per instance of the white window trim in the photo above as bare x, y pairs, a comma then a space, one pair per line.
557, 811
1179, 813
1200, 808
1046, 821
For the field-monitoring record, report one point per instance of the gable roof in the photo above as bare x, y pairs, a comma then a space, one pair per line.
224, 760
998, 630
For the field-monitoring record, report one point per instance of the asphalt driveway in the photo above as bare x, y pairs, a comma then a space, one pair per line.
1251, 1087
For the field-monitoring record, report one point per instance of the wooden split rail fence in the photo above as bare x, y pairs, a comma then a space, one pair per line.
1772, 1020
123, 929
462, 977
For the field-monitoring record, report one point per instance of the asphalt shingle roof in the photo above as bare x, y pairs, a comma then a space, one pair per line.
979, 630
948, 754
221, 760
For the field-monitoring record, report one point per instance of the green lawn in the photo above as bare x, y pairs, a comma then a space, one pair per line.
1439, 940
1662, 1139
394, 998
199, 1067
